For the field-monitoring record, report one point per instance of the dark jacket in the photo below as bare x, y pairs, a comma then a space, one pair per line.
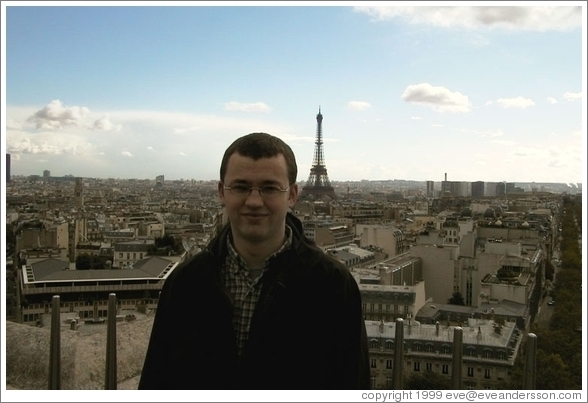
307, 331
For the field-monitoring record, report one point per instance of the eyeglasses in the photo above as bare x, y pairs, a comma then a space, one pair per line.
267, 192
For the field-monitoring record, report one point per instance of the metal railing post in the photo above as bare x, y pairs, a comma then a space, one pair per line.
456, 368
55, 345
110, 373
529, 376
397, 371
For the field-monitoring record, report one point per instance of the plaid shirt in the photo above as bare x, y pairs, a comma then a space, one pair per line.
245, 288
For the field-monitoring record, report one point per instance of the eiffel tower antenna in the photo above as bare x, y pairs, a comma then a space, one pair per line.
318, 185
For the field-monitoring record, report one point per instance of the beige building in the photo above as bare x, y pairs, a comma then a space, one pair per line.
390, 302
389, 238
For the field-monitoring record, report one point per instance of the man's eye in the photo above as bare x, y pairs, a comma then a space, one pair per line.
270, 189
240, 188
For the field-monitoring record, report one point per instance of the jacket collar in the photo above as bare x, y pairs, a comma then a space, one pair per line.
218, 245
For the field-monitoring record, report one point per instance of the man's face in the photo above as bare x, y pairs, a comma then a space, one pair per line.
256, 219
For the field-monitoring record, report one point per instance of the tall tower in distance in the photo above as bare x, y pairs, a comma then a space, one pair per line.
318, 185
79, 192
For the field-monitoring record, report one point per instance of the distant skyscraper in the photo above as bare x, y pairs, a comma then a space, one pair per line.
79, 192
430, 189
7, 168
510, 187
159, 180
477, 189
318, 184
500, 189
46, 174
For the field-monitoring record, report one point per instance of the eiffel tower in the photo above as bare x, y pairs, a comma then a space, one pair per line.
318, 185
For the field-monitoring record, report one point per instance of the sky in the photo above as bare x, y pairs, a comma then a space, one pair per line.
414, 91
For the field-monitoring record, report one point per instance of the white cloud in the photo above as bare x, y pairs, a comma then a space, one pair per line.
358, 105
184, 130
518, 102
47, 144
416, 117
507, 143
252, 107
126, 154
104, 124
551, 100
531, 18
572, 96
12, 124
56, 116
439, 98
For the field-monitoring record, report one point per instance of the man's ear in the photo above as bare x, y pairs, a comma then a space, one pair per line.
293, 196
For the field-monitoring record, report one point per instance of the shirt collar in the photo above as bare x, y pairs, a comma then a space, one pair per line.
237, 263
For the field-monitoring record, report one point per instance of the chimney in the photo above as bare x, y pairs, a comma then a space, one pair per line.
479, 335
382, 326
437, 328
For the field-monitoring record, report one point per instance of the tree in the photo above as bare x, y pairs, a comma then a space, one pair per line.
552, 372
83, 262
428, 380
456, 299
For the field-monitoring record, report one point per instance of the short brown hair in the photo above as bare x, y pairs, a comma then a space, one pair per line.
261, 145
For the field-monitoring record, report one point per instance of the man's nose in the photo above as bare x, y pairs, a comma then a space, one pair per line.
254, 196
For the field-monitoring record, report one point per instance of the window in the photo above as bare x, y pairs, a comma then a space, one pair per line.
471, 352
429, 366
417, 366
445, 368
388, 364
487, 373
373, 363
373, 382
389, 345
120, 255
470, 371
416, 347
446, 350
487, 354
374, 344
389, 382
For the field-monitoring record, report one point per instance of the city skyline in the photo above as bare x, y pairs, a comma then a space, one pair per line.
492, 94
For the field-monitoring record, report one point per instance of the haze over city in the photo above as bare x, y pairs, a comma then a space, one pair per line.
477, 91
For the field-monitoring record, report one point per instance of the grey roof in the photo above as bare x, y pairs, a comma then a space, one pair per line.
58, 270
47, 267
505, 307
479, 332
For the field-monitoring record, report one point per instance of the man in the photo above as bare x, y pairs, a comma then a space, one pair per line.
262, 307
